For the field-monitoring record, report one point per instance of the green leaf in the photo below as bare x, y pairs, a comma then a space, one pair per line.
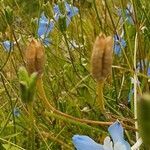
23, 74
9, 15
24, 91
10, 147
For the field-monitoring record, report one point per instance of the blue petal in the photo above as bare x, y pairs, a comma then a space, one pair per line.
71, 10
16, 112
82, 142
45, 27
128, 14
130, 20
122, 42
122, 145
68, 21
148, 71
119, 43
42, 25
41, 30
56, 9
50, 27
43, 18
116, 131
129, 11
117, 49
56, 16
140, 66
8, 45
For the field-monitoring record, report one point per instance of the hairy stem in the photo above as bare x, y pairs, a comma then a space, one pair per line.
100, 98
31, 122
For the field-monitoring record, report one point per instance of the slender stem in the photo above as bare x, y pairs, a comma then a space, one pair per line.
135, 87
70, 54
100, 98
67, 117
97, 14
137, 144
31, 122
11, 105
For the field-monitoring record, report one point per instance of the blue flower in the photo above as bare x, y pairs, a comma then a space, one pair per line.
128, 14
116, 132
82, 142
8, 45
16, 112
119, 43
142, 64
44, 28
70, 12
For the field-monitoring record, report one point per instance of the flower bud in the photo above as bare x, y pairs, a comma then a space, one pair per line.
62, 23
9, 15
62, 7
27, 85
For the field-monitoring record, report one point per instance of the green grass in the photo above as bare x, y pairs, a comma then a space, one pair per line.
68, 83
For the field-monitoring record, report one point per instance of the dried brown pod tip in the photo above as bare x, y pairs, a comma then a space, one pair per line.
35, 57
101, 59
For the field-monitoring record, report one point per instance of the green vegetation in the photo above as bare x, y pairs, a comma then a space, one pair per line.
64, 101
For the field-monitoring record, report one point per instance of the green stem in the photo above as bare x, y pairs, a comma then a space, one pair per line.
100, 98
97, 14
31, 123
65, 117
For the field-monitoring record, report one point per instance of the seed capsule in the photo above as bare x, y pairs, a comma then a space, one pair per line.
101, 60
35, 57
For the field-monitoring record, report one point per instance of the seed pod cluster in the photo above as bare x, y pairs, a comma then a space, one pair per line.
35, 57
101, 59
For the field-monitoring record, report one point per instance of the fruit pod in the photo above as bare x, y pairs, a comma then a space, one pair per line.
101, 59
144, 118
101, 64
35, 57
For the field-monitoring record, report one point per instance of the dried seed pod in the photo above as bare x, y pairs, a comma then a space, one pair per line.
35, 57
101, 60
107, 57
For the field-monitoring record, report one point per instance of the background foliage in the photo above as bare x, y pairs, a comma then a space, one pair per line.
67, 80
